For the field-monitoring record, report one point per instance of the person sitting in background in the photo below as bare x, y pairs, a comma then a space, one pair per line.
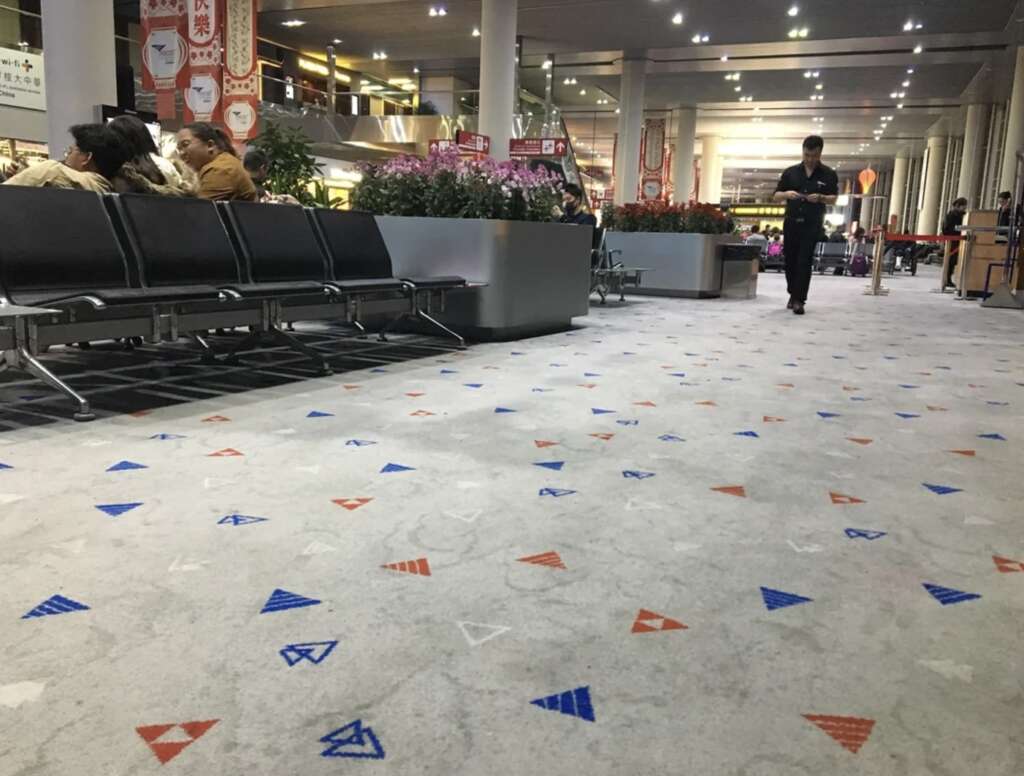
90, 163
208, 151
257, 164
837, 235
775, 247
145, 172
756, 238
572, 211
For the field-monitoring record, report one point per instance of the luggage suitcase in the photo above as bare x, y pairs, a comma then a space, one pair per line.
859, 265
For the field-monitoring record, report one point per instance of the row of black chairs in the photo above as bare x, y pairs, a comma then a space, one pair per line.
125, 266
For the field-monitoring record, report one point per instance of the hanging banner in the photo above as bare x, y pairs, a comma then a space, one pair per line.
164, 51
203, 91
652, 160
241, 74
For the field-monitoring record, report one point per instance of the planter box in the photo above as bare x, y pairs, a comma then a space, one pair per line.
537, 275
687, 265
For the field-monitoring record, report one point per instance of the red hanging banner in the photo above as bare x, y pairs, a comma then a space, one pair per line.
164, 51
241, 76
203, 91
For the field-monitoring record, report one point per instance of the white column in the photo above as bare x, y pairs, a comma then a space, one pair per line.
78, 42
927, 220
973, 154
631, 124
711, 170
1014, 127
899, 189
682, 164
498, 73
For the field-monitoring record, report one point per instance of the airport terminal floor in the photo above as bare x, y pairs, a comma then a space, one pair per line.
684, 537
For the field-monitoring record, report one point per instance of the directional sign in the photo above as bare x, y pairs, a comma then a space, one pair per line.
539, 146
471, 142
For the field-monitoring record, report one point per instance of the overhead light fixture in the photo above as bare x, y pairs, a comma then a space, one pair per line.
547, 64
900, 106
292, 23
618, 111
476, 32
738, 89
901, 95
336, 41
819, 87
678, 18
906, 83
700, 38
910, 71
799, 32
416, 71
724, 58
793, 10
583, 92
918, 48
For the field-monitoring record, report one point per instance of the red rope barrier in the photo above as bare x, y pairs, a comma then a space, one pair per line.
891, 237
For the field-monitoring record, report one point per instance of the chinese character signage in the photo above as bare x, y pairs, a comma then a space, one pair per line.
241, 75
203, 91
164, 51
653, 161
538, 146
22, 83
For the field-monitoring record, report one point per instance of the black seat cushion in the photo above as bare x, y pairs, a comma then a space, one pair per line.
299, 287
119, 296
56, 240
369, 285
447, 281
179, 241
354, 244
278, 242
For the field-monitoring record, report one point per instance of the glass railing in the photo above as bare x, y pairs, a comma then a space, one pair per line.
20, 29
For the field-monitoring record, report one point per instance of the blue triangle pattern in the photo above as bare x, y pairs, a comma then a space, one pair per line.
237, 520
906, 415
635, 475
359, 443
553, 465
116, 510
993, 437
167, 437
751, 434
573, 703
393, 468
503, 411
5, 466
777, 599
942, 490
354, 741
449, 372
473, 385
671, 438
555, 492
860, 533
948, 596
123, 466
314, 652
828, 415
319, 414
628, 422
56, 604
598, 411
280, 600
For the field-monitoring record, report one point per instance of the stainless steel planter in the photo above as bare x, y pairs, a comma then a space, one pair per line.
537, 275
686, 265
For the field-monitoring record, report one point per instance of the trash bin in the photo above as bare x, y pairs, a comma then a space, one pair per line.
741, 266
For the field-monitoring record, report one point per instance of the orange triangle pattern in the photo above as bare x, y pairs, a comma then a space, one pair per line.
587, 385
420, 414
706, 404
650, 622
552, 559
603, 437
418, 567
770, 419
850, 388
786, 385
216, 419
965, 453
351, 387
850, 732
933, 408
732, 490
352, 504
645, 404
415, 394
166, 751
1007, 566
228, 452
860, 440
542, 443
141, 413
839, 498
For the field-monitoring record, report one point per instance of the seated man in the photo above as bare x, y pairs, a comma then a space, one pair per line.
756, 238
572, 207
89, 163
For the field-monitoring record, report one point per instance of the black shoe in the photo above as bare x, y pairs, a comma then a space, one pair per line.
790, 305
798, 309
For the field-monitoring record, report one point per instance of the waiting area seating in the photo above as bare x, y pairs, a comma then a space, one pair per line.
608, 276
124, 266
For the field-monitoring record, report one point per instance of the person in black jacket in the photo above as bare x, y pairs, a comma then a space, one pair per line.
572, 207
806, 188
954, 219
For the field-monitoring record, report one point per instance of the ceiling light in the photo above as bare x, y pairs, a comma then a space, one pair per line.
725, 58
819, 86
337, 41
910, 71
900, 106
901, 95
292, 23
738, 89
548, 64
807, 73
700, 38
793, 10
416, 70
476, 32
906, 83
618, 110
893, 95
583, 92
918, 48
678, 18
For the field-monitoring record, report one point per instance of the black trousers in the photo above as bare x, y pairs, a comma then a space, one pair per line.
800, 238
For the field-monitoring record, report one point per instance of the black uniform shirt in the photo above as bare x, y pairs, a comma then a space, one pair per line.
822, 181
579, 218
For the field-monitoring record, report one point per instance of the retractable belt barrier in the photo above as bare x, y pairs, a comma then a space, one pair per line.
892, 237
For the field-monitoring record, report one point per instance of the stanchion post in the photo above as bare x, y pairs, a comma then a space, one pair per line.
966, 246
875, 289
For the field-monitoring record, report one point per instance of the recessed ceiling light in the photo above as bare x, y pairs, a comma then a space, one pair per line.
700, 38
476, 32
583, 92
893, 95
416, 70
725, 58
918, 48
819, 86
738, 89
678, 18
906, 83
793, 10
910, 71
292, 23
336, 41
900, 106
547, 65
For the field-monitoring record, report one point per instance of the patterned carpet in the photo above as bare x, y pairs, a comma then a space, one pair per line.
684, 538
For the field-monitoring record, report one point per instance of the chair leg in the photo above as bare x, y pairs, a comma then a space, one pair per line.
207, 356
360, 328
295, 344
438, 325
382, 336
250, 339
28, 363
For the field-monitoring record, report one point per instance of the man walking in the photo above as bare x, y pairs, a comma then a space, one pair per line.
806, 188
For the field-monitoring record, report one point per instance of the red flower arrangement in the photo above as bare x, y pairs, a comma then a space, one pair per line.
659, 216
